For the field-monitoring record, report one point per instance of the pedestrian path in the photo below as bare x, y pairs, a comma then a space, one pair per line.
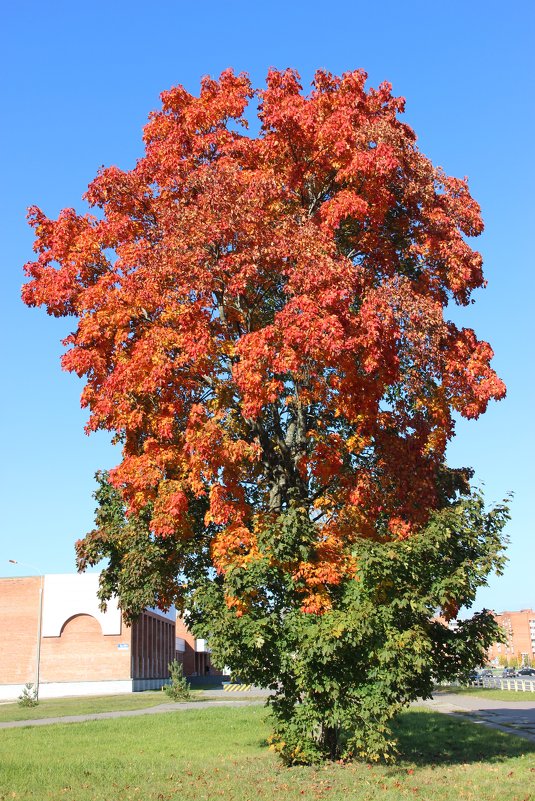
129, 713
512, 717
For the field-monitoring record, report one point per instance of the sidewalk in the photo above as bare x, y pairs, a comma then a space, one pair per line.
512, 717
151, 710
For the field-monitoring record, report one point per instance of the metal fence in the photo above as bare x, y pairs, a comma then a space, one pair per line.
516, 683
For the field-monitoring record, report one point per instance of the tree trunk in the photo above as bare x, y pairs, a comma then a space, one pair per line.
330, 741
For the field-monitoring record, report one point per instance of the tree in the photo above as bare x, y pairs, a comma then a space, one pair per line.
260, 321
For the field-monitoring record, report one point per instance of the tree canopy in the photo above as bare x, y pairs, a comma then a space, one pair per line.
262, 323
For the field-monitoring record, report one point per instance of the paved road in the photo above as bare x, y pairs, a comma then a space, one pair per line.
513, 717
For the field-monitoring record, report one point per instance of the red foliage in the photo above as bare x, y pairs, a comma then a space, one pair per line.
273, 307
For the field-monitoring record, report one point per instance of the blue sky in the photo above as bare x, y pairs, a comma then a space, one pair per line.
82, 79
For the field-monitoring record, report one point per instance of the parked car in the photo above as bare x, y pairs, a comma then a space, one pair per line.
508, 673
526, 672
474, 677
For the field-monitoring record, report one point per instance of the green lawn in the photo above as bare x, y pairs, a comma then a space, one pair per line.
86, 705
483, 692
221, 753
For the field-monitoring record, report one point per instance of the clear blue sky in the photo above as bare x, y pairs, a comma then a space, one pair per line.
78, 83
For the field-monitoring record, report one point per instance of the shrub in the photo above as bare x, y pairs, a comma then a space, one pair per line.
28, 697
178, 690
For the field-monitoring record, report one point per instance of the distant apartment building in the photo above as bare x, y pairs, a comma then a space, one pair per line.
519, 628
53, 632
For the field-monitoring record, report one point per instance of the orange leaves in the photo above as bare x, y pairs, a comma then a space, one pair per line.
261, 320
72, 241
221, 99
221, 506
316, 603
326, 457
377, 333
469, 378
240, 607
170, 510
235, 546
345, 204
331, 563
450, 610
399, 528
210, 445
251, 371
137, 477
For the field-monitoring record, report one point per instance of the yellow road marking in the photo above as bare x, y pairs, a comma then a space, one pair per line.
236, 688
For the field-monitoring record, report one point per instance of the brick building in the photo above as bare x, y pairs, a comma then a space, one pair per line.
194, 654
53, 633
519, 630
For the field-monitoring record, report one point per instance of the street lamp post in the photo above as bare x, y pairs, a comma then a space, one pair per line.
39, 621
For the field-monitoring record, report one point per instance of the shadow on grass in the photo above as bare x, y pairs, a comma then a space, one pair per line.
432, 738
427, 738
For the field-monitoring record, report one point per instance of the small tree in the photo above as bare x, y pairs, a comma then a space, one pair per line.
178, 690
28, 697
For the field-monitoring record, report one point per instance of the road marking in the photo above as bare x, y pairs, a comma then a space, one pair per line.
237, 688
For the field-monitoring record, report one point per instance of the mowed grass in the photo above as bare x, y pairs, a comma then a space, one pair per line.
87, 705
222, 753
484, 692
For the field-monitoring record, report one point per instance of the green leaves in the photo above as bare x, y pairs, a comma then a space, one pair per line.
142, 570
339, 678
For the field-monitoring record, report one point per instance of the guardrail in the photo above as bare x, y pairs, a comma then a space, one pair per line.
517, 684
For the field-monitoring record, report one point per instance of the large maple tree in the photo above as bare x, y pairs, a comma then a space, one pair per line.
261, 321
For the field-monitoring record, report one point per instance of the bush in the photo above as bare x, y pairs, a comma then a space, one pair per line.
28, 697
178, 690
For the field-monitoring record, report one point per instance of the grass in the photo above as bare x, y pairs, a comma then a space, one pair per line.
484, 692
86, 705
221, 753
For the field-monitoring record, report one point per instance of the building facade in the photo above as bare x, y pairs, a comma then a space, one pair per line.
519, 648
53, 634
193, 653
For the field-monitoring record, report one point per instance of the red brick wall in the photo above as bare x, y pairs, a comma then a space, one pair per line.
19, 606
188, 661
194, 664
83, 653
517, 629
